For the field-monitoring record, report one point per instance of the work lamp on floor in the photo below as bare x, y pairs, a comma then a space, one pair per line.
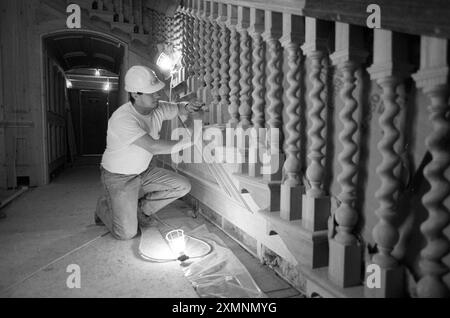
177, 242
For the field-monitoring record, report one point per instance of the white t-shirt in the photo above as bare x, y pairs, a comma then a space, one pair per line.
126, 126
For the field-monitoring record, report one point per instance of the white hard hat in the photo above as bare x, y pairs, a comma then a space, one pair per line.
141, 79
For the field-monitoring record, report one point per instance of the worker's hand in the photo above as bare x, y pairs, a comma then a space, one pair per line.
194, 106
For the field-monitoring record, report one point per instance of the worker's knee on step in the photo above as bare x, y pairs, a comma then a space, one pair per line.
124, 235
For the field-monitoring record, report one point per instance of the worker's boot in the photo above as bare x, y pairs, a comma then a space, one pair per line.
98, 221
145, 220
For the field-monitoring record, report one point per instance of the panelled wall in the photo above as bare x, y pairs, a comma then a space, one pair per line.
17, 125
364, 148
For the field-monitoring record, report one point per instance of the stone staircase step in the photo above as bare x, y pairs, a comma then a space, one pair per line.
308, 248
265, 193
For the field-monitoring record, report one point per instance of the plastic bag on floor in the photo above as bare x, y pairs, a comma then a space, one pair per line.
220, 274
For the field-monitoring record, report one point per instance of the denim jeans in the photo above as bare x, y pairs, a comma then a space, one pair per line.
123, 195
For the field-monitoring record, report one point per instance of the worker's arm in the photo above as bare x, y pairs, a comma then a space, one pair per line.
162, 147
168, 110
187, 108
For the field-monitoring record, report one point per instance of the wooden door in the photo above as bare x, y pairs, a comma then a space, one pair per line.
94, 122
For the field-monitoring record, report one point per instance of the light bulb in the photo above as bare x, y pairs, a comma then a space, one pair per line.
97, 72
177, 241
68, 84
165, 62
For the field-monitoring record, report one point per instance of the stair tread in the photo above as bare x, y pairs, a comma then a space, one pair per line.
319, 276
248, 178
293, 227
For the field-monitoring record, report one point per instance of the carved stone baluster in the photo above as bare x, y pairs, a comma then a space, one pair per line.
315, 170
345, 250
202, 51
316, 205
292, 188
224, 63
134, 13
171, 30
161, 29
178, 44
176, 30
388, 74
154, 26
274, 85
157, 26
147, 24
196, 47
118, 10
167, 28
110, 5
433, 79
208, 79
258, 83
233, 109
162, 26
100, 5
127, 12
184, 39
245, 111
179, 34
191, 50
174, 25
215, 64
138, 16
184, 42
118, 7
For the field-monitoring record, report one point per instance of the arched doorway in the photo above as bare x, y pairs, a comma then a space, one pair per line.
81, 74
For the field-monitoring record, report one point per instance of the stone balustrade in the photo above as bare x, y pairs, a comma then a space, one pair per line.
262, 65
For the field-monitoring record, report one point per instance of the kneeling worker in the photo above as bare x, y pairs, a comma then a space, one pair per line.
134, 188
